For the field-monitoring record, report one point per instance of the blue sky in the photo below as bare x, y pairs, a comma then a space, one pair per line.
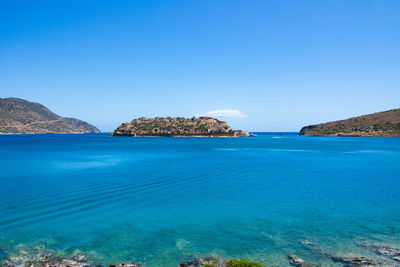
274, 65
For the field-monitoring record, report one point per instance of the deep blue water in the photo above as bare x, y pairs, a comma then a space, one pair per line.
164, 200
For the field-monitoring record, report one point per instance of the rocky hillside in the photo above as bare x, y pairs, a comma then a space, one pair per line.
196, 126
18, 116
385, 123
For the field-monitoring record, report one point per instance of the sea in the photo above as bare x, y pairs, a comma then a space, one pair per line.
163, 201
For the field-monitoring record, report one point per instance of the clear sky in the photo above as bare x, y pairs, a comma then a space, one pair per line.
266, 65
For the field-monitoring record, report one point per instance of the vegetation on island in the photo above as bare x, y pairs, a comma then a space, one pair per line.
385, 123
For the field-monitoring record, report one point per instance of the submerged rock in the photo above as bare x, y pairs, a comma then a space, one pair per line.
353, 261
383, 250
202, 261
76, 260
211, 261
392, 253
306, 242
296, 261
126, 265
346, 260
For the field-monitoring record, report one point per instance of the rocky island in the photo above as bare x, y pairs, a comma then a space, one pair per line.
184, 127
19, 116
384, 124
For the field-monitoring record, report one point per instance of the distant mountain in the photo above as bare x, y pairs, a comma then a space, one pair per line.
386, 123
196, 126
18, 116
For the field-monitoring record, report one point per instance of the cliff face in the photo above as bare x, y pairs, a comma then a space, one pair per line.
385, 124
18, 116
201, 126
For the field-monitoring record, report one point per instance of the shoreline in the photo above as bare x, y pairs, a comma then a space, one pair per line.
185, 136
348, 135
385, 255
74, 133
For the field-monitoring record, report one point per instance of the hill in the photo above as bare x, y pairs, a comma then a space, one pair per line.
19, 116
386, 123
196, 126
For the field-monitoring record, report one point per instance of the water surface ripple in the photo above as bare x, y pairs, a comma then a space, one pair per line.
164, 200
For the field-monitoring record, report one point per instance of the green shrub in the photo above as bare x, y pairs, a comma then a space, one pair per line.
208, 265
242, 263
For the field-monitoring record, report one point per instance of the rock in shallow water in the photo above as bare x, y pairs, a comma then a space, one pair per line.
296, 261
353, 261
76, 260
127, 265
383, 250
201, 261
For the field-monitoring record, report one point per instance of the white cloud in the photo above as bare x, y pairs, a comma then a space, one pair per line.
232, 113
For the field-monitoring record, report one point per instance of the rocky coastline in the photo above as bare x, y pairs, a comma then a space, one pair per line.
385, 256
178, 127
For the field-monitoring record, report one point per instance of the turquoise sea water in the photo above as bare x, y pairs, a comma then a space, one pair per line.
162, 201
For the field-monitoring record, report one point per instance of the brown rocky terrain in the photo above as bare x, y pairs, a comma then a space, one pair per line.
18, 116
385, 124
196, 126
